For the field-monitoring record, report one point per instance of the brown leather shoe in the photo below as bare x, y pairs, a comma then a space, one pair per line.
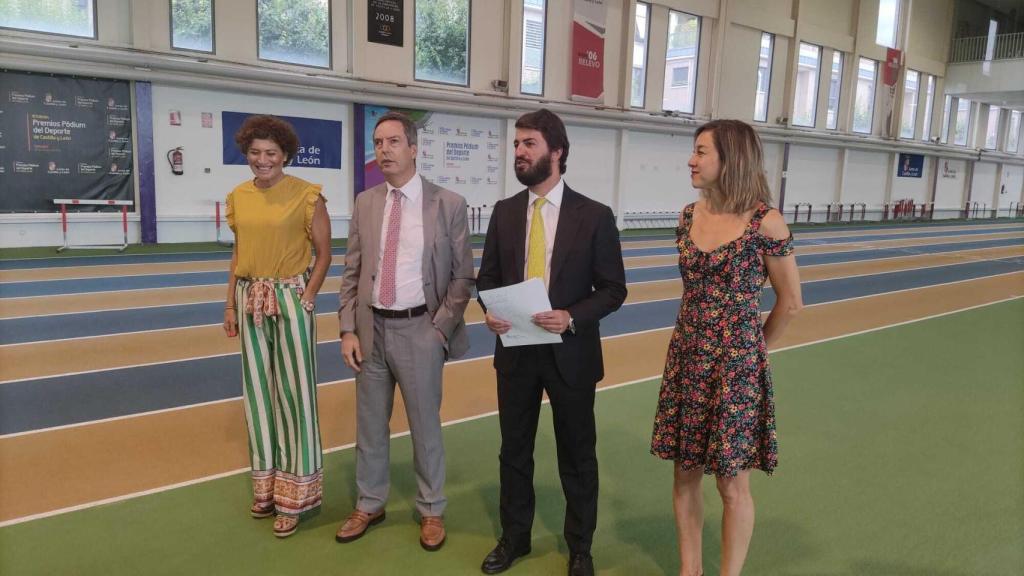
432, 533
357, 524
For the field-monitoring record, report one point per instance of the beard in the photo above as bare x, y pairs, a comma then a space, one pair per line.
535, 173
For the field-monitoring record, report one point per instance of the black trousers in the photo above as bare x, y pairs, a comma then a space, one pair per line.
519, 400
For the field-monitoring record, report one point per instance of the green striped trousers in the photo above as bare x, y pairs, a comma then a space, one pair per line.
279, 394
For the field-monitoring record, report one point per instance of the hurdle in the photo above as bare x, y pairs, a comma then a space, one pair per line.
217, 219
64, 202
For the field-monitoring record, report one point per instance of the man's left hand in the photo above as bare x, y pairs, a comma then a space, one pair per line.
554, 321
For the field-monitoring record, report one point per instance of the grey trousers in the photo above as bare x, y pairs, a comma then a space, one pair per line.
409, 351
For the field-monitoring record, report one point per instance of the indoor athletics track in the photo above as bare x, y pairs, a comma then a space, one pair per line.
899, 389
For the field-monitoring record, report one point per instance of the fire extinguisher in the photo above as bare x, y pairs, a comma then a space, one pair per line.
176, 159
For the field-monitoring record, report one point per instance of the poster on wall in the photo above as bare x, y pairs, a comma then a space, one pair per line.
319, 140
588, 30
384, 21
63, 137
460, 153
911, 165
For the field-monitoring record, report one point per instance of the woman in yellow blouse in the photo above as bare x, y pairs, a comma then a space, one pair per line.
278, 221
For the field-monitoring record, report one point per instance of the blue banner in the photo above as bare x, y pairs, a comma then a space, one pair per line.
911, 165
319, 140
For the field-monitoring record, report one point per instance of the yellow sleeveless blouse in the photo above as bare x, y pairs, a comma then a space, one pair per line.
273, 227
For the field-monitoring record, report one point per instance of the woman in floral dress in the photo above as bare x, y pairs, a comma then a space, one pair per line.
715, 410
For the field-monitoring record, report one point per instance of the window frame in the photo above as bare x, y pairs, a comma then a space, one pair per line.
916, 103
213, 29
330, 41
768, 81
647, 54
874, 94
1015, 133
696, 58
839, 89
988, 126
967, 126
929, 107
522, 67
469, 46
817, 85
95, 27
895, 25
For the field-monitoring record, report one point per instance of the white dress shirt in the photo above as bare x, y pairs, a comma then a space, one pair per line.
409, 261
549, 212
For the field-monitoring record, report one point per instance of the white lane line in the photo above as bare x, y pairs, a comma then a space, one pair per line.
481, 416
331, 341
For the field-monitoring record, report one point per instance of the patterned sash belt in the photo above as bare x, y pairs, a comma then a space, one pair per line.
261, 296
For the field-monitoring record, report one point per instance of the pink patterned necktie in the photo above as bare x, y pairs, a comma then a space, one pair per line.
387, 269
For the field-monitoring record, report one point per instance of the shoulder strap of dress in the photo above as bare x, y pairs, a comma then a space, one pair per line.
755, 220
688, 215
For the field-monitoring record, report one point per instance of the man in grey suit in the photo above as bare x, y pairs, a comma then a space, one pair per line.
407, 280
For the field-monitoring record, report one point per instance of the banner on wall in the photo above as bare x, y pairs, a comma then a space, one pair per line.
460, 153
587, 66
890, 77
63, 137
911, 165
319, 140
384, 21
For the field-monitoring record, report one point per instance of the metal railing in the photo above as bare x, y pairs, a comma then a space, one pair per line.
1007, 46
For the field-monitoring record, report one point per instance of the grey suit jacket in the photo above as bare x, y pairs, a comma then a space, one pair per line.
447, 265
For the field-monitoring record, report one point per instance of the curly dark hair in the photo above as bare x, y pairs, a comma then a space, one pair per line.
267, 127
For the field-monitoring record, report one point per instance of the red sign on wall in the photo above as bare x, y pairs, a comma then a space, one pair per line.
588, 29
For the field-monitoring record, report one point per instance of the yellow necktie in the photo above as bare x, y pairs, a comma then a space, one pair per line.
537, 247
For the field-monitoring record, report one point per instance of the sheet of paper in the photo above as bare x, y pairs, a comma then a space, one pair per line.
517, 304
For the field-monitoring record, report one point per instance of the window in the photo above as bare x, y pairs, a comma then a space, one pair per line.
70, 18
681, 77
683, 45
992, 130
532, 77
888, 22
963, 122
835, 82
908, 117
805, 101
764, 77
642, 28
442, 41
1013, 134
864, 99
929, 100
192, 25
295, 31
946, 109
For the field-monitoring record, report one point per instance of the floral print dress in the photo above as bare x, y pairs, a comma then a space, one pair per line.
715, 408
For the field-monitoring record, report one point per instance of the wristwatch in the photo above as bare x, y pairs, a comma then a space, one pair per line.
572, 326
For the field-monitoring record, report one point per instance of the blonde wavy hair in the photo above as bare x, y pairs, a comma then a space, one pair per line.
742, 185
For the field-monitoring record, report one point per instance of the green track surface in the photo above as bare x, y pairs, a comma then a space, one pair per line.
900, 454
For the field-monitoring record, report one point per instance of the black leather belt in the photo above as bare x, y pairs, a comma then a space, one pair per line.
407, 313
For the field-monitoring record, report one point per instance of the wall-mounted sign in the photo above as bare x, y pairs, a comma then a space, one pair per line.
911, 165
319, 140
384, 21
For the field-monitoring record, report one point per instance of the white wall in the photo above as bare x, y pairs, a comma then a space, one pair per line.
657, 177
592, 167
812, 175
1013, 180
983, 184
865, 178
916, 189
949, 187
185, 204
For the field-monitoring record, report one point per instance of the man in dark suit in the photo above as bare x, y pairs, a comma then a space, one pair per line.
407, 280
548, 231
